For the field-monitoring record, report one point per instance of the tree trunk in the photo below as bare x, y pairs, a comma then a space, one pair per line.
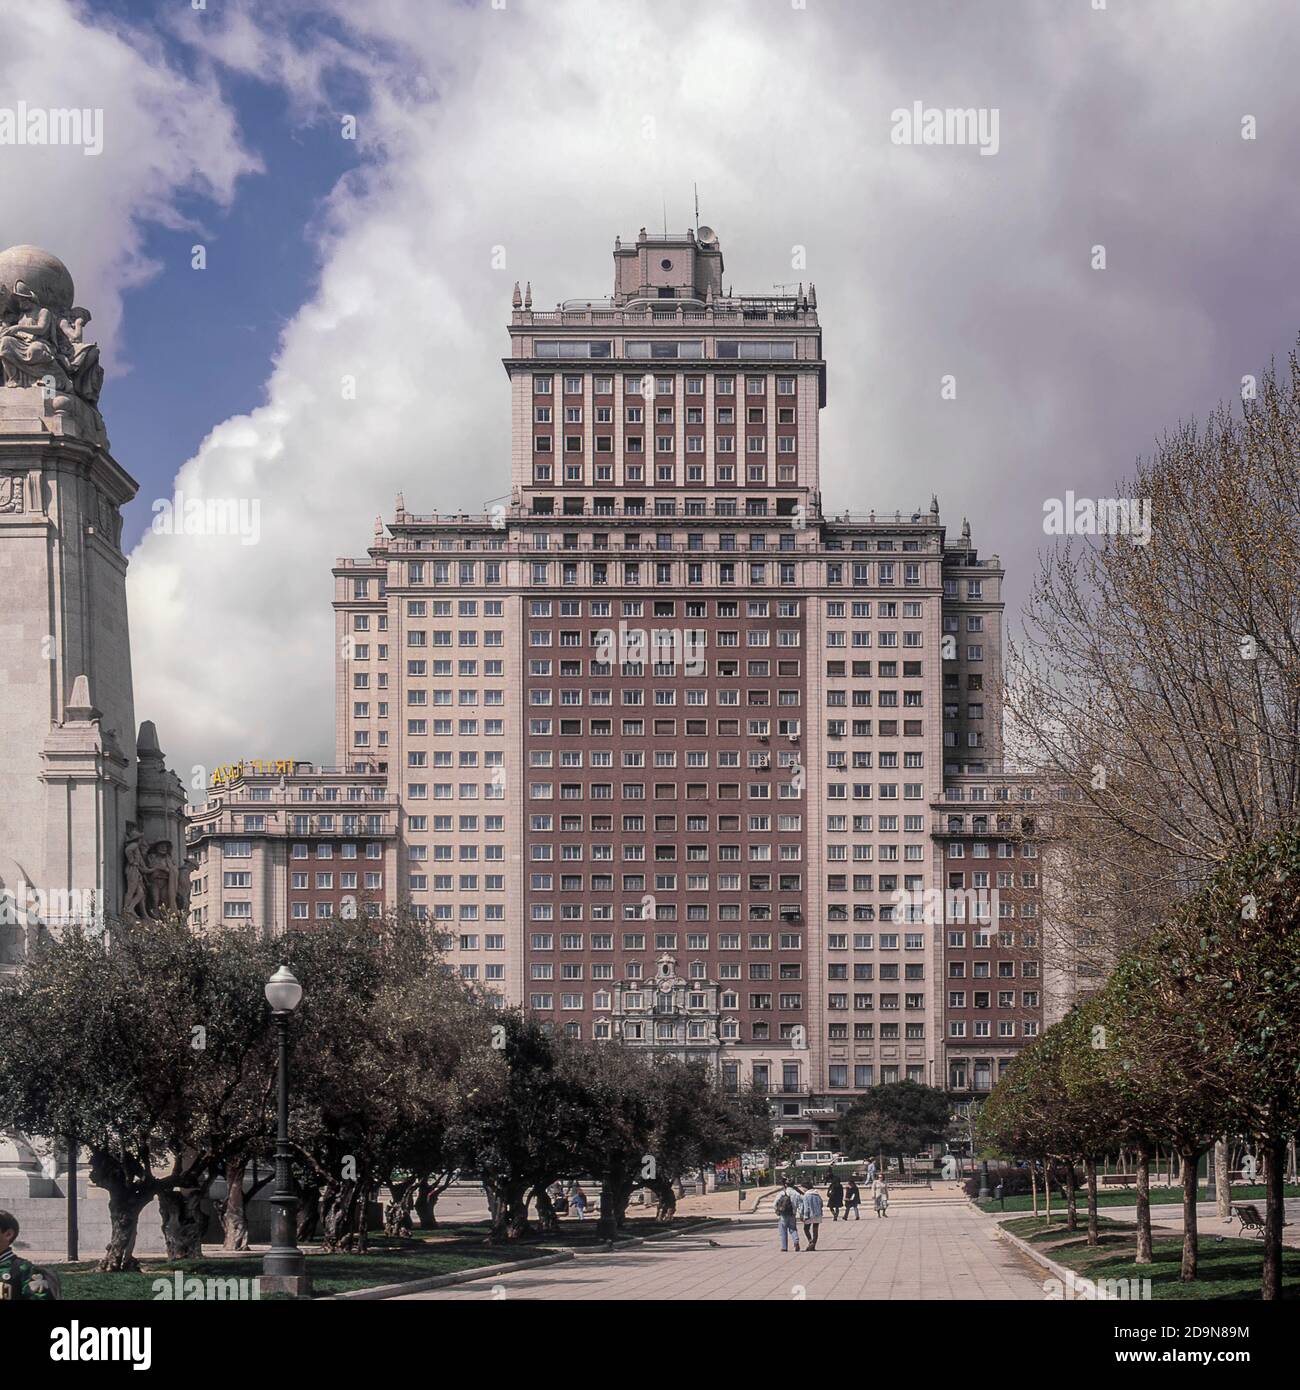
397, 1211
1047, 1191
1143, 1205
1071, 1198
616, 1190
426, 1198
1188, 1159
546, 1216
124, 1208
1222, 1180
607, 1222
1033, 1186
667, 1199
517, 1214
183, 1222
234, 1216
508, 1206
342, 1228
308, 1213
1274, 1216
1094, 1234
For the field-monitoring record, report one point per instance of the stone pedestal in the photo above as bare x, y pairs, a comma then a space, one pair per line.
69, 715
21, 1173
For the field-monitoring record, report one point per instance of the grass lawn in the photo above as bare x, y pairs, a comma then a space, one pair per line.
387, 1263
575, 1234
445, 1250
1227, 1268
1127, 1197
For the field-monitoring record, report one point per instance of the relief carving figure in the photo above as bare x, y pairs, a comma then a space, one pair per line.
188, 867
164, 879
82, 358
29, 341
133, 902
42, 332
11, 492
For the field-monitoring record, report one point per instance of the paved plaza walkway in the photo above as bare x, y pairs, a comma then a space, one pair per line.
930, 1250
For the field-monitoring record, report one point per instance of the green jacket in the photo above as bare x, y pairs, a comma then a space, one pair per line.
21, 1279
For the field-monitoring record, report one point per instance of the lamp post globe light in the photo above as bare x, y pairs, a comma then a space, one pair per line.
284, 1267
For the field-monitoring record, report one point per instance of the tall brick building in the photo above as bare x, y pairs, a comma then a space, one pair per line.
672, 746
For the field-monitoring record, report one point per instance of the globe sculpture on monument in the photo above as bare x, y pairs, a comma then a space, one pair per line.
90, 817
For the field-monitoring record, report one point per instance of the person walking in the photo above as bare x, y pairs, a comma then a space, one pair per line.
852, 1200
880, 1195
578, 1200
835, 1197
810, 1213
871, 1172
786, 1207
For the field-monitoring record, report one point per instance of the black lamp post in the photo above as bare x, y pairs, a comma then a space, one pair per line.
984, 1180
284, 1267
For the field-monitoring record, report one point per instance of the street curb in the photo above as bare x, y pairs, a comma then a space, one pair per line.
629, 1241
465, 1276
1065, 1276
440, 1281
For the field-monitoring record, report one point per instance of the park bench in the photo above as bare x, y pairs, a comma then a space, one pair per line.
1251, 1218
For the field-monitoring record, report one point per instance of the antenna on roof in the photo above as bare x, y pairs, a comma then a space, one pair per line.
665, 217
696, 187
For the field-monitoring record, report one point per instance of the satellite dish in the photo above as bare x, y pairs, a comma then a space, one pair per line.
706, 236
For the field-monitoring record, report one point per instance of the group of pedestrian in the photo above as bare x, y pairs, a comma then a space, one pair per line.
795, 1206
847, 1196
564, 1200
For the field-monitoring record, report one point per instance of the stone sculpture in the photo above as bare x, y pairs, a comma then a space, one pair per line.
134, 900
42, 335
164, 877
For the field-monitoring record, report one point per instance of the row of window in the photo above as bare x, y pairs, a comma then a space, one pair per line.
864, 1076
664, 444
665, 941
662, 608
982, 999
602, 384
300, 911
722, 572
544, 821
243, 849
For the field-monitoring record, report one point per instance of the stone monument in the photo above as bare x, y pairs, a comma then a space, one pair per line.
76, 777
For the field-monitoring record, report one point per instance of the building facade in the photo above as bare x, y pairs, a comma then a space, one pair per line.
670, 745
280, 846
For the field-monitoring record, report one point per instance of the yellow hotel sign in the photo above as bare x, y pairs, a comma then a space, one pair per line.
257, 767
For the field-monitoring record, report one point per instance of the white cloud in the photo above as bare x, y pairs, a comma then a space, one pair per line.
166, 133
547, 128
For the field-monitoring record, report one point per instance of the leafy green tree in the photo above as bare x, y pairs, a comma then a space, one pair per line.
152, 1046
695, 1124
896, 1119
378, 1042
515, 1118
1221, 989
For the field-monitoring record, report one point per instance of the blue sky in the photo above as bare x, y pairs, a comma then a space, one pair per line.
223, 323
543, 128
